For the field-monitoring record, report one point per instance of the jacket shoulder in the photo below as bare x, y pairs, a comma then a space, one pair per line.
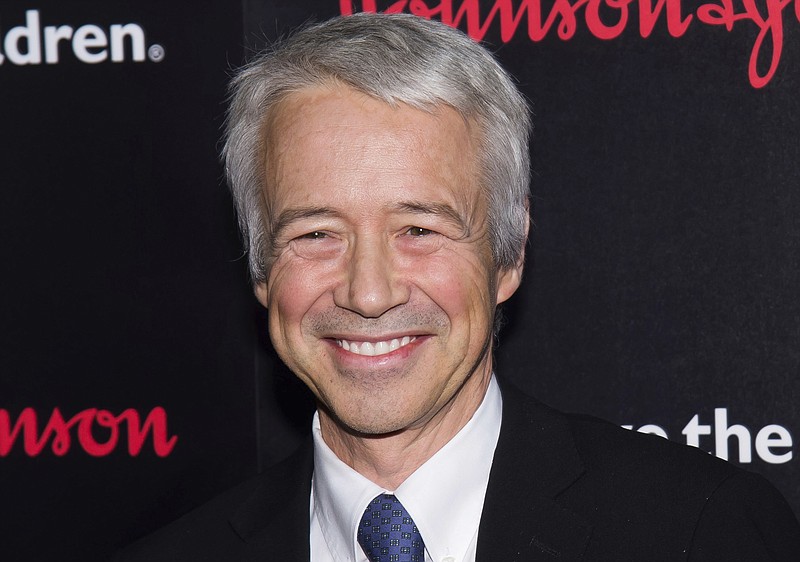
202, 534
647, 498
699, 507
235, 525
633, 457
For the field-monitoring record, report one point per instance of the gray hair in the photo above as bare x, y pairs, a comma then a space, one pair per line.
399, 59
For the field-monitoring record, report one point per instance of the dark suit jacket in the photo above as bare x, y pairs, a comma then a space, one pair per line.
562, 487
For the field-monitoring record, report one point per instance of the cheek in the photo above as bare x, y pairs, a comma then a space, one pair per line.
294, 287
460, 287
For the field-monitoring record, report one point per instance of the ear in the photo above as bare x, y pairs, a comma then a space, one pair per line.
262, 293
508, 280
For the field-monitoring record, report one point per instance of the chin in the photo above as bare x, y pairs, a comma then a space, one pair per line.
376, 421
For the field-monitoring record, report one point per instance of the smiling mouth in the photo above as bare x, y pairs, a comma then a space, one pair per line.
375, 348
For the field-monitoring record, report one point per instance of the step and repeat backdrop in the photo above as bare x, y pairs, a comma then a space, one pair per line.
136, 380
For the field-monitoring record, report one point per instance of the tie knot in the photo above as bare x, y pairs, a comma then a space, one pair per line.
388, 534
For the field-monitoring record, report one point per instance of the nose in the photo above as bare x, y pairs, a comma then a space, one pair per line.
371, 285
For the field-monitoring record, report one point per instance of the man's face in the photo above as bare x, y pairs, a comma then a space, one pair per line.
382, 290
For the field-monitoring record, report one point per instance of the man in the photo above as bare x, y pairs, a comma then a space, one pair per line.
380, 170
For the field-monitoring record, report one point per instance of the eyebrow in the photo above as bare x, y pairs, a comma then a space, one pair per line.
443, 210
288, 216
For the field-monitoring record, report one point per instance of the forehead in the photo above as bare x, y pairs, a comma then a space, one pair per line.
333, 136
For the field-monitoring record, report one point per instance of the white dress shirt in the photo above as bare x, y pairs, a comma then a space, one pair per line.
444, 496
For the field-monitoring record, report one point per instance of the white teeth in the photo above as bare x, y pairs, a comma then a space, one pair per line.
377, 348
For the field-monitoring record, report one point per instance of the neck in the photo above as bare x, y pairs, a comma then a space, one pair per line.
389, 459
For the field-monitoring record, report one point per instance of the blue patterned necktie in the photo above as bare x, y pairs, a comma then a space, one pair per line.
388, 534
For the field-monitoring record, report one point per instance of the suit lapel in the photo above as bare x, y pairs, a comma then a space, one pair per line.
274, 521
535, 460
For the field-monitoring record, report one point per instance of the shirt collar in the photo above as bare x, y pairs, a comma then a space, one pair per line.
339, 497
444, 496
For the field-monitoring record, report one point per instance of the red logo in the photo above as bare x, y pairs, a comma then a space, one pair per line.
58, 432
565, 15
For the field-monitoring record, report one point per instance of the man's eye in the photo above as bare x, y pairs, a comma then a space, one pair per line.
418, 231
317, 245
